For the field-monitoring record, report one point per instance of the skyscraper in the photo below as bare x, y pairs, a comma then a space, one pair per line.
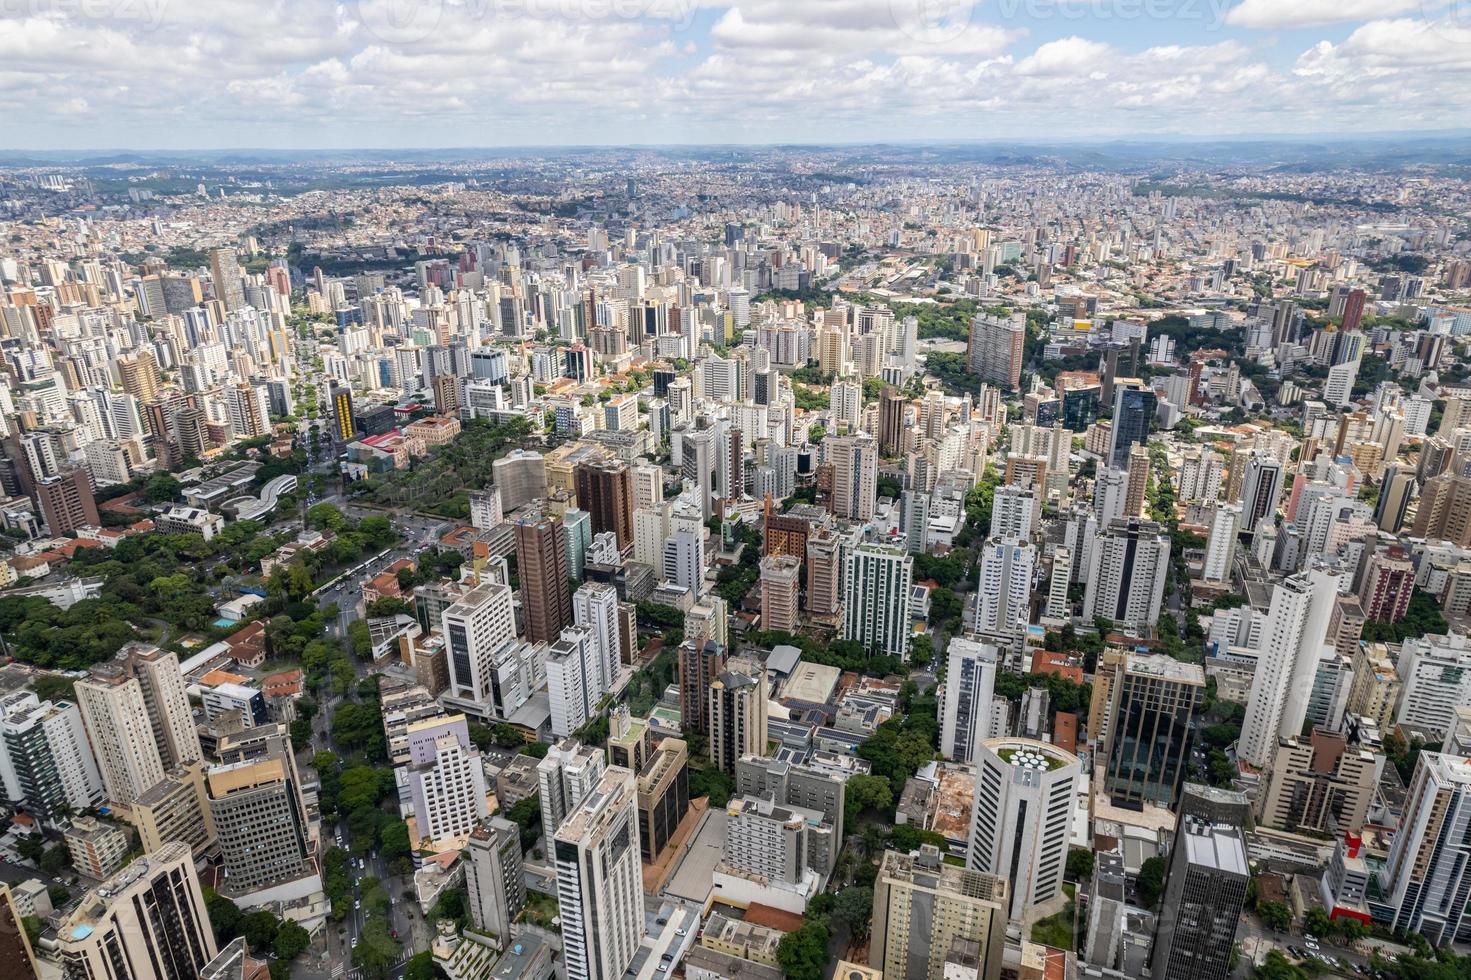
1004, 593
117, 722
891, 421
474, 628
150, 917
599, 880
921, 905
595, 607
546, 596
855, 461
67, 502
493, 883
605, 490
446, 779
1156, 704
1133, 407
1205, 887
1220, 547
1128, 566
260, 818
1260, 488
876, 601
574, 680
780, 575
996, 348
45, 760
566, 775
1424, 880
1022, 818
701, 660
970, 683
1138, 482
225, 273
737, 713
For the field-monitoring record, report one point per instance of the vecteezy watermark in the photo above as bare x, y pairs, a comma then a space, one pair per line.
1451, 18
149, 13
943, 21
407, 21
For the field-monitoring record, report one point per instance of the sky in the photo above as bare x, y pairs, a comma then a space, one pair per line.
198, 74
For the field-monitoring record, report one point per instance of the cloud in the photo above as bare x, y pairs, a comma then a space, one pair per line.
1314, 13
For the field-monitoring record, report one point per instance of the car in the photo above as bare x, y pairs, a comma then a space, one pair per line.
663, 967
357, 904
662, 922
1309, 937
681, 932
666, 957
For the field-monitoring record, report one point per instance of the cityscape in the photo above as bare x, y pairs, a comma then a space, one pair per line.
735, 490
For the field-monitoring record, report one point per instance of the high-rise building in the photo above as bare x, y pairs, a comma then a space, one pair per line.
344, 424
566, 775
595, 608
446, 780
683, 551
1261, 486
808, 786
574, 680
1287, 660
1004, 593
878, 580
663, 796
855, 462
67, 502
766, 840
147, 921
139, 375
116, 719
1133, 407
599, 880
780, 576
1220, 547
824, 574
1137, 486
475, 627
737, 713
45, 760
1023, 817
541, 557
891, 421
701, 660
1396, 491
493, 883
996, 348
225, 274
1129, 563
176, 809
1205, 887
1388, 582
1014, 511
921, 906
261, 821
967, 710
1322, 784
1423, 880
605, 490
1156, 708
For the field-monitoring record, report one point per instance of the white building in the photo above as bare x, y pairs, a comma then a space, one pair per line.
1129, 564
574, 680
600, 880
1004, 593
1220, 548
1023, 817
970, 684
45, 760
876, 600
1435, 679
474, 628
566, 775
595, 607
446, 779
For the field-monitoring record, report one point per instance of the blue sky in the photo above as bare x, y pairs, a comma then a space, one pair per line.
426, 73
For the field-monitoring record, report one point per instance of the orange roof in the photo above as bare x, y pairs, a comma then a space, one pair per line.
772, 918
217, 677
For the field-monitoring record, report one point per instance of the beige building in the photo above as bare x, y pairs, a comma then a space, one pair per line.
1376, 684
1322, 784
780, 575
921, 905
261, 822
150, 915
736, 711
743, 940
175, 809
97, 849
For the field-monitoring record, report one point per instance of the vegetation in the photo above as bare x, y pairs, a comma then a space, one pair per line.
1422, 617
433, 481
1151, 881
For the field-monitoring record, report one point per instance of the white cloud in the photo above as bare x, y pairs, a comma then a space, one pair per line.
1314, 13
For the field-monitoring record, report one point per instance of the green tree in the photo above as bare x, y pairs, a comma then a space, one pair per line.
259, 929
360, 638
1278, 967
326, 517
803, 954
1151, 881
291, 940
224, 915
1275, 916
377, 951
864, 793
1317, 923
421, 967
854, 907
1080, 864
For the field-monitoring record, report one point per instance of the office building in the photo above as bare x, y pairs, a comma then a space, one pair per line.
996, 348
966, 715
1155, 713
737, 713
921, 906
475, 627
800, 785
1129, 563
260, 819
45, 761
566, 775
541, 556
1205, 887
147, 922
766, 840
855, 463
1133, 408
595, 608
780, 575
1260, 489
1022, 819
495, 891
878, 580
663, 796
599, 880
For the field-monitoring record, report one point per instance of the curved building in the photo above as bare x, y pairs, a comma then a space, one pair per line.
1022, 818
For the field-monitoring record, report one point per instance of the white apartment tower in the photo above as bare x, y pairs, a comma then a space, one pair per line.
876, 600
970, 685
566, 775
600, 879
1004, 594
